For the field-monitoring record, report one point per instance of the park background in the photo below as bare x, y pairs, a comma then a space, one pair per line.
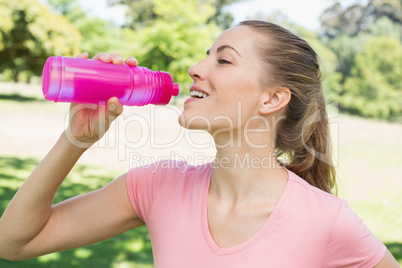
359, 43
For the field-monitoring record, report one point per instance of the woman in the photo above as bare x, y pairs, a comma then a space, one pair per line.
260, 94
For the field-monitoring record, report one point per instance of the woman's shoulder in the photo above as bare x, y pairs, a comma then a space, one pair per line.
308, 188
166, 180
310, 206
310, 196
328, 218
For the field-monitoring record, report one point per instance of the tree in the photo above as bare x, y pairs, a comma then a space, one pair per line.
142, 13
70, 9
98, 35
375, 88
172, 40
178, 38
222, 18
347, 47
358, 17
357, 34
30, 33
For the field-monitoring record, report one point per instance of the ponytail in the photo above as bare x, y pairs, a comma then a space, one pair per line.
302, 139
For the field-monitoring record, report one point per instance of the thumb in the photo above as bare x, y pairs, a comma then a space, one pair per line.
114, 109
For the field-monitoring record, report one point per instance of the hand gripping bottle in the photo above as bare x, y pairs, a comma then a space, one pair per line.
90, 81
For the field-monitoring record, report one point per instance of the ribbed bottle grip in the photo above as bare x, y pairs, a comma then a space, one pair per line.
154, 84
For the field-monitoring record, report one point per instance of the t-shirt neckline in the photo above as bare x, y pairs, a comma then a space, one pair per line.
261, 232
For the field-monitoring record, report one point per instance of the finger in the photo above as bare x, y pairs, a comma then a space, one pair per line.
117, 59
132, 61
84, 55
103, 56
97, 56
114, 108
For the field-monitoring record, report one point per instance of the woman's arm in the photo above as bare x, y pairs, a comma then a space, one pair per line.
31, 226
388, 261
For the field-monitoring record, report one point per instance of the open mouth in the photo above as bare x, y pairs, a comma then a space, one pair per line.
198, 94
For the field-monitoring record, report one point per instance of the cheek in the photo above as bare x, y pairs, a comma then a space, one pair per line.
239, 89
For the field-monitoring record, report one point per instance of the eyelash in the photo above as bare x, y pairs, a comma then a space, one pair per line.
223, 61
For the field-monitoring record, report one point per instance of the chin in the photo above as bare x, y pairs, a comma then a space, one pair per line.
182, 120
194, 122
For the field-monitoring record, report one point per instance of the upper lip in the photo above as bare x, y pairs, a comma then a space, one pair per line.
195, 88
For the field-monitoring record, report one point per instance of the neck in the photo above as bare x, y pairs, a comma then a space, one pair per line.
246, 168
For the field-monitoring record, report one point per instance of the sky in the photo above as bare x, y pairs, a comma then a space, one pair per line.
303, 12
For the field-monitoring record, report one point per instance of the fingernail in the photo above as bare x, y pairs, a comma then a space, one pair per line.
111, 107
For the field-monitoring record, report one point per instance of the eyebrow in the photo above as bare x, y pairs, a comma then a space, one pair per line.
223, 47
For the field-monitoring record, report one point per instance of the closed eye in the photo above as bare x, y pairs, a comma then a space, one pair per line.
223, 61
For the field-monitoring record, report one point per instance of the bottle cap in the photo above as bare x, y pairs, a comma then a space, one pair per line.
175, 90
169, 89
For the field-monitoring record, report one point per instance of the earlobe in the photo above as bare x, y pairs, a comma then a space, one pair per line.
275, 100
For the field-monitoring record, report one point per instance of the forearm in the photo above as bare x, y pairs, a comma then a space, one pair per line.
30, 208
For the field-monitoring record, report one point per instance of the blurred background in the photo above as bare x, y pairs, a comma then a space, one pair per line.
359, 43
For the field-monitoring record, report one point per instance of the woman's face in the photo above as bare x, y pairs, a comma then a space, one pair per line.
228, 81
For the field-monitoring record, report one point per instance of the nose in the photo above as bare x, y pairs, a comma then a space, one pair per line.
196, 72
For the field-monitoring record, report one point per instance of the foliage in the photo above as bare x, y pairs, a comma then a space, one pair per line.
358, 17
178, 38
375, 87
223, 19
170, 36
173, 35
30, 33
142, 13
364, 85
99, 35
347, 47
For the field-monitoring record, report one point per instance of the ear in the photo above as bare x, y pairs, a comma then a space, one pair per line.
274, 100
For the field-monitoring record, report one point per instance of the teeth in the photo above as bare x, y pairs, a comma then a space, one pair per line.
199, 94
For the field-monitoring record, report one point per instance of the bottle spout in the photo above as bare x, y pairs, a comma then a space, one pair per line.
175, 89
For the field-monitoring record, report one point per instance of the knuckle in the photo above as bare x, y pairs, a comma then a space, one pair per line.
102, 55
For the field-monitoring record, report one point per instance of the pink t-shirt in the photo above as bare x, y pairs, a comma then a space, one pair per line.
307, 228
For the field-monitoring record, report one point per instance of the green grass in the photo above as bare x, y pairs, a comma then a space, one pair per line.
131, 249
19, 98
369, 173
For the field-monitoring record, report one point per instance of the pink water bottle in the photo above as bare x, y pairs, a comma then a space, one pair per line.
90, 81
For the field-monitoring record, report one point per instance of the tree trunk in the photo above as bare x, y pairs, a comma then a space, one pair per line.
15, 75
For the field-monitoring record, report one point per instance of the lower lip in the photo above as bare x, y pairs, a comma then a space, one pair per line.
191, 100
